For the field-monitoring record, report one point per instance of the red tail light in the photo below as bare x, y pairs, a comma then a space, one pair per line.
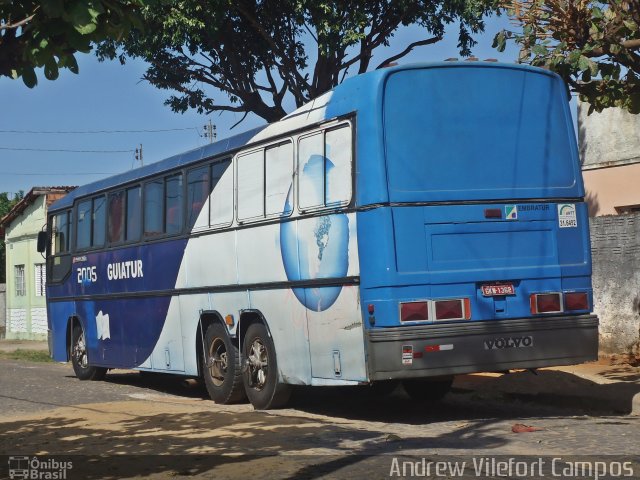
458, 309
576, 301
546, 303
414, 311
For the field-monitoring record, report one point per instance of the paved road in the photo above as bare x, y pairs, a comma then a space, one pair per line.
325, 432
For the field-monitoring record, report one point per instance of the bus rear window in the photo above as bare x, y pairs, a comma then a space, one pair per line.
473, 133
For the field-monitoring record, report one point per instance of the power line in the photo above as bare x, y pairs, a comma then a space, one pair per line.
75, 132
60, 174
63, 150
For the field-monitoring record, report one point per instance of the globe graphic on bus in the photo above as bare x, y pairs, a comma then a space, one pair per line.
316, 247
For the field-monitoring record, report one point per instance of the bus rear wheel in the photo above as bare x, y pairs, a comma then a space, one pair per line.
428, 390
80, 359
221, 366
261, 370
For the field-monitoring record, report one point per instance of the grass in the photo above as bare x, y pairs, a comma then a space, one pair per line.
27, 355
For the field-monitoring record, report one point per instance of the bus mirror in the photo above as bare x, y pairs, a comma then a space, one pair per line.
43, 238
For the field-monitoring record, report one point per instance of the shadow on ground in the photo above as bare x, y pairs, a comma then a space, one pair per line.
246, 444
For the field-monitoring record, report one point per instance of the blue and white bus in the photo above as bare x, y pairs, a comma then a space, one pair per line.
414, 223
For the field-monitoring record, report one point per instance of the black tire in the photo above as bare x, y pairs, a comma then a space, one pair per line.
426, 390
221, 367
260, 372
80, 359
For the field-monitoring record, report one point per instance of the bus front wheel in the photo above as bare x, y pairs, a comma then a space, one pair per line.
221, 370
80, 359
260, 372
428, 390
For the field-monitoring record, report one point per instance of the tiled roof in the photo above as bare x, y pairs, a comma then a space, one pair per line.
52, 193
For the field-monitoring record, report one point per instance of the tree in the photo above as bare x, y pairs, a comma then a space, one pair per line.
259, 52
594, 46
47, 33
6, 204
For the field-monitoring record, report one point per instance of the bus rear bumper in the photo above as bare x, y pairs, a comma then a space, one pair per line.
483, 346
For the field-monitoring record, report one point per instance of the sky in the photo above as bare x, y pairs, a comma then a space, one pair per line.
108, 96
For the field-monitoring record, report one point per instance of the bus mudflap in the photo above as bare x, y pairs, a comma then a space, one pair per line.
482, 346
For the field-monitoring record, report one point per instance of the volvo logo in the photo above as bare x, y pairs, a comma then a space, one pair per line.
508, 342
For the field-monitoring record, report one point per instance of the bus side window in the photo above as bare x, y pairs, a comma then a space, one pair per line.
311, 171
324, 168
173, 204
91, 223
251, 185
134, 214
197, 193
153, 208
338, 166
61, 233
99, 221
83, 227
278, 180
115, 222
221, 208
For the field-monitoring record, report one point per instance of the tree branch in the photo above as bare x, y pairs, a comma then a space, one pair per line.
410, 47
7, 26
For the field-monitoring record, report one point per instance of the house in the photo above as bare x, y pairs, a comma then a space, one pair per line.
610, 152
26, 312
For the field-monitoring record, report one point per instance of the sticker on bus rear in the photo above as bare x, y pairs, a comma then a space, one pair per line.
407, 354
567, 215
511, 212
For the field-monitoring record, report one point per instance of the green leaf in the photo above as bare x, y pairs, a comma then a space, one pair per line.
69, 62
51, 69
29, 77
584, 63
500, 41
86, 29
539, 50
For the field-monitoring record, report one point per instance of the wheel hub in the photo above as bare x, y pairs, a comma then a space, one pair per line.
257, 361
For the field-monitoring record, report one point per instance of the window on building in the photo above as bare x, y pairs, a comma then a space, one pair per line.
40, 279
324, 167
21, 288
627, 209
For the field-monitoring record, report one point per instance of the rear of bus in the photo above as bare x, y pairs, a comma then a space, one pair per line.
478, 259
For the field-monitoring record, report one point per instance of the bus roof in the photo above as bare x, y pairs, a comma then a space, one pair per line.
345, 98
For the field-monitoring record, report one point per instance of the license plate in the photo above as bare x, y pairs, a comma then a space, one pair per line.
502, 289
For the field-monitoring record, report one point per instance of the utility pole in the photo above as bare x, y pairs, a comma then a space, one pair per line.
139, 155
210, 132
